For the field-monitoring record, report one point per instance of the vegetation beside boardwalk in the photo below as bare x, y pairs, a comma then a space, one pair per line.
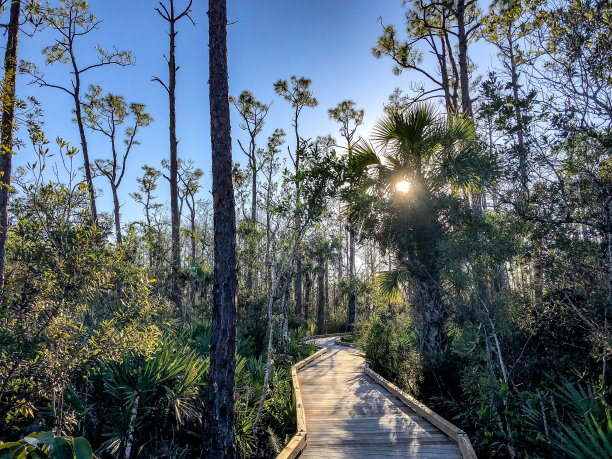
466, 237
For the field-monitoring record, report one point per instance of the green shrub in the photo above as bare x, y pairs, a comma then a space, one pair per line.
46, 445
391, 347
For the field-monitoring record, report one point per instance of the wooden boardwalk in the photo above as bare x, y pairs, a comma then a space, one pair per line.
348, 415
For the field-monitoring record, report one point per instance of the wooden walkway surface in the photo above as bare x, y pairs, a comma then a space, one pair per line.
348, 415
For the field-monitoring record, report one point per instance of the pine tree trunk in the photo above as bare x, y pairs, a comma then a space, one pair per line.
193, 237
298, 284
8, 128
221, 409
352, 298
254, 195
307, 290
464, 74
86, 163
320, 298
117, 215
174, 198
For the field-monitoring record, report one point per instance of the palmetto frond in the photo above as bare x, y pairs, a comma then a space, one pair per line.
407, 128
419, 144
389, 282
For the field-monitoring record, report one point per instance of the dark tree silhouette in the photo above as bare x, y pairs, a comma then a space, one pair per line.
222, 432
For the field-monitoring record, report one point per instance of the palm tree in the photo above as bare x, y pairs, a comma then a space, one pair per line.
412, 177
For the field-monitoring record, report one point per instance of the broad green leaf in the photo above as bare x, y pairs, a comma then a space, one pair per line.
61, 449
82, 448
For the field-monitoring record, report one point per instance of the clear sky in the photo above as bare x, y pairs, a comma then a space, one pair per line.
328, 41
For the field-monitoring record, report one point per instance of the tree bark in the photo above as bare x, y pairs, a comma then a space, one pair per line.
464, 75
307, 290
117, 215
8, 128
174, 191
221, 409
86, 163
298, 284
321, 298
352, 299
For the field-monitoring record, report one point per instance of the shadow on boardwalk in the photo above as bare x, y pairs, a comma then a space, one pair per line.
348, 415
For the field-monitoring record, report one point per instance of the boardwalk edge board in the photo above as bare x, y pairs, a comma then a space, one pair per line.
345, 343
452, 431
298, 442
330, 335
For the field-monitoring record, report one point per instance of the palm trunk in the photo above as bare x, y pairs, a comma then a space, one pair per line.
8, 128
222, 376
432, 315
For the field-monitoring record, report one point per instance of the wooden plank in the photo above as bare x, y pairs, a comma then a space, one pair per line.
330, 335
294, 447
307, 360
298, 442
458, 435
350, 415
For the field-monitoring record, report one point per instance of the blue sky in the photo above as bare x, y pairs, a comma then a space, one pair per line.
328, 41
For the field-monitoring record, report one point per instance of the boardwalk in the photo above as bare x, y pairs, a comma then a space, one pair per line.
349, 415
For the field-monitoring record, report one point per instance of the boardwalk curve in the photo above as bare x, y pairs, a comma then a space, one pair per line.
349, 415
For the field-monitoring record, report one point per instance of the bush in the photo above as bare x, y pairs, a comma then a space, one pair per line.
390, 345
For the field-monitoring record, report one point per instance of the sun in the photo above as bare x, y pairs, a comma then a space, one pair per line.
403, 186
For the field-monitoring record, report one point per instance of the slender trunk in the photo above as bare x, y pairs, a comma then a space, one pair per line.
327, 286
268, 238
444, 73
268, 355
298, 264
352, 299
340, 261
8, 128
518, 115
193, 237
285, 330
250, 271
174, 191
117, 215
149, 234
133, 416
254, 195
193, 290
86, 163
464, 75
298, 284
307, 290
222, 375
453, 68
320, 298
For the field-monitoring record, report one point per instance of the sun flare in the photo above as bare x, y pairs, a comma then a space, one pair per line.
403, 186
